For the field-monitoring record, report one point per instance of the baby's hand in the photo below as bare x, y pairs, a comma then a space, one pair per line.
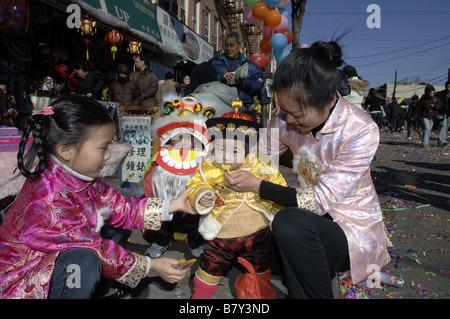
207, 200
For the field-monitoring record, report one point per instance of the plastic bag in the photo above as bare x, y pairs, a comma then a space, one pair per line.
252, 286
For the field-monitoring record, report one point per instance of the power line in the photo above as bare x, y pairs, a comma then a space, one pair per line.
437, 79
398, 50
422, 13
400, 57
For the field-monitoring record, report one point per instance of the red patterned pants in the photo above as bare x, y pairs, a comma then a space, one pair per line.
220, 253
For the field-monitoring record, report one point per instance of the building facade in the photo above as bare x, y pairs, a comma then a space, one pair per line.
213, 19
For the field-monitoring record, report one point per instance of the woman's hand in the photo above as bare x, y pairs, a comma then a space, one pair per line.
165, 268
181, 203
242, 181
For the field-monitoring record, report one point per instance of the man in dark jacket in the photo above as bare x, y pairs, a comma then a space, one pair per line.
394, 113
249, 85
146, 79
444, 125
123, 90
413, 118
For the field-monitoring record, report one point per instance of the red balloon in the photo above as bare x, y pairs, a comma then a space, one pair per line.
260, 60
260, 10
265, 46
287, 33
14, 17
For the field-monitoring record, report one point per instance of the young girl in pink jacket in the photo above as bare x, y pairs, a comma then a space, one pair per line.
60, 237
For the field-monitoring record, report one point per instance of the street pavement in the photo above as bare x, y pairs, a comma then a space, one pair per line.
413, 184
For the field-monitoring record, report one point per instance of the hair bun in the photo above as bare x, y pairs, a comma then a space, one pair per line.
331, 49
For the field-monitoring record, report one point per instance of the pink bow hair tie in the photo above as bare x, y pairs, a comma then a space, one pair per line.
46, 110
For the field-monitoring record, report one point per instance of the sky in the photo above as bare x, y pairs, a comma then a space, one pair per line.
413, 38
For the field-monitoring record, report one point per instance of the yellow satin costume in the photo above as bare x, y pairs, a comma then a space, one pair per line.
210, 178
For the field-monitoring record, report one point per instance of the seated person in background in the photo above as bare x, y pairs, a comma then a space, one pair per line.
8, 102
90, 84
124, 90
251, 83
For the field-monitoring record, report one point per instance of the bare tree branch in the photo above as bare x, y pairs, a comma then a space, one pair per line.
298, 10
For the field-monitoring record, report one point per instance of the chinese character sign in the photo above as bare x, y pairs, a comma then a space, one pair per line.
136, 132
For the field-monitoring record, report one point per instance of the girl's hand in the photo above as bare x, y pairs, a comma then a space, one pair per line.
164, 267
207, 200
242, 181
181, 203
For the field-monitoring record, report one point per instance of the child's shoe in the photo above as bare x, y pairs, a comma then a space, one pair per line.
155, 250
203, 290
196, 252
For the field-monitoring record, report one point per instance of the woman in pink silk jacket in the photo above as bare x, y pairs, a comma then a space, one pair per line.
337, 224
63, 206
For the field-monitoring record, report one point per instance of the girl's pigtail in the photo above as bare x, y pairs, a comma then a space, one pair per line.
38, 127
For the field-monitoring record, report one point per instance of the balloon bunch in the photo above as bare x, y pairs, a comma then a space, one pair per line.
276, 31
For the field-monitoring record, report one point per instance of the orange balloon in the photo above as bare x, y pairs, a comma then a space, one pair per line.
260, 10
265, 46
273, 18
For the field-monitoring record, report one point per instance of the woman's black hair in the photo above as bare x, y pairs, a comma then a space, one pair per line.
70, 122
83, 65
310, 75
350, 71
428, 89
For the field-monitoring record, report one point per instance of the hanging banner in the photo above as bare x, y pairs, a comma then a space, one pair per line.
179, 37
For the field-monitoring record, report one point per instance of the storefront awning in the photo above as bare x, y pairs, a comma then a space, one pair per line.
136, 19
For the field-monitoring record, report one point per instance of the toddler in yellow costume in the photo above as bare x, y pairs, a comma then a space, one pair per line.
232, 223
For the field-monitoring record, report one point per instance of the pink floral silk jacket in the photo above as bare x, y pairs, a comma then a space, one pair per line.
57, 212
333, 176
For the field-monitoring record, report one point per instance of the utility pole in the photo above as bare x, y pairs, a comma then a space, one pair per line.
395, 85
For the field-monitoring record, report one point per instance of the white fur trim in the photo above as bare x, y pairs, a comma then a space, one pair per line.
102, 215
208, 227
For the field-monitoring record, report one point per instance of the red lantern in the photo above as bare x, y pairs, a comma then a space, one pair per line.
134, 47
114, 39
87, 28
